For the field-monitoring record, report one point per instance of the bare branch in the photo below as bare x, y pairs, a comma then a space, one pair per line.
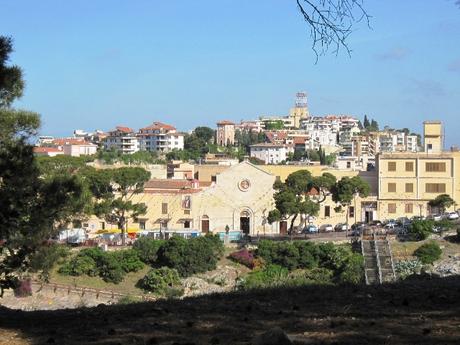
331, 22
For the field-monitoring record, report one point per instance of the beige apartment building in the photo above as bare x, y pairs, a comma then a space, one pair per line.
408, 181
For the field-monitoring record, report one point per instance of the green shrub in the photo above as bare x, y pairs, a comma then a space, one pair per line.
314, 276
332, 256
352, 271
161, 280
270, 276
283, 253
308, 254
196, 255
110, 268
95, 253
80, 265
129, 260
419, 230
147, 249
428, 252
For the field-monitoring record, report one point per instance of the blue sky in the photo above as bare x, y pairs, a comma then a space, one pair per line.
96, 64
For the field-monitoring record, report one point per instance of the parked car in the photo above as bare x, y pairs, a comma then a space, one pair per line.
357, 225
309, 229
435, 217
452, 215
376, 223
414, 218
403, 221
389, 224
341, 227
326, 228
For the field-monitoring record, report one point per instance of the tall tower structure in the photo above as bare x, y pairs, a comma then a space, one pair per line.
300, 110
225, 133
432, 136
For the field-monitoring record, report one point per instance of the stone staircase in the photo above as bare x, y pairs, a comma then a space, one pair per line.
378, 260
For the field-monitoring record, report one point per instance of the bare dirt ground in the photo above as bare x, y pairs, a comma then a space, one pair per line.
426, 311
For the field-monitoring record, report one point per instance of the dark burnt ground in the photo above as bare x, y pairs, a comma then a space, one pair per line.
415, 312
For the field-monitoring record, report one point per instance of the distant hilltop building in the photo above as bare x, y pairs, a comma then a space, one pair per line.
296, 114
225, 133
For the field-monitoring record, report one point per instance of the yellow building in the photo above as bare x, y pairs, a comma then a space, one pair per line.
408, 181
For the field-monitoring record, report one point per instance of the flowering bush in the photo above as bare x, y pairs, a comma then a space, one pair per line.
244, 257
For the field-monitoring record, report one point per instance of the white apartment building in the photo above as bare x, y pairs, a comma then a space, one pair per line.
335, 123
397, 142
160, 137
346, 142
122, 139
322, 137
271, 153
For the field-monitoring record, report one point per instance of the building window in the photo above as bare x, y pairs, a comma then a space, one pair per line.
392, 208
348, 165
187, 224
429, 146
391, 187
213, 178
102, 224
142, 224
164, 208
391, 166
409, 208
409, 166
409, 187
351, 211
435, 188
327, 211
435, 167
186, 211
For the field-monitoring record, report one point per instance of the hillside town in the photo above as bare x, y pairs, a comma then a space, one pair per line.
232, 187
163, 180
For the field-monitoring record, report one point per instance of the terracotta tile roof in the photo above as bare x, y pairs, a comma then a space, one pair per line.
299, 140
69, 141
124, 129
46, 149
225, 122
159, 125
276, 136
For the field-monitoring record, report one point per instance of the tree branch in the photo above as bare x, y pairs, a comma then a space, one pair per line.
331, 22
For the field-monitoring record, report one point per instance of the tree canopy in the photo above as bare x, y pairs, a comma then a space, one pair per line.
113, 190
292, 199
11, 81
346, 189
442, 202
32, 207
